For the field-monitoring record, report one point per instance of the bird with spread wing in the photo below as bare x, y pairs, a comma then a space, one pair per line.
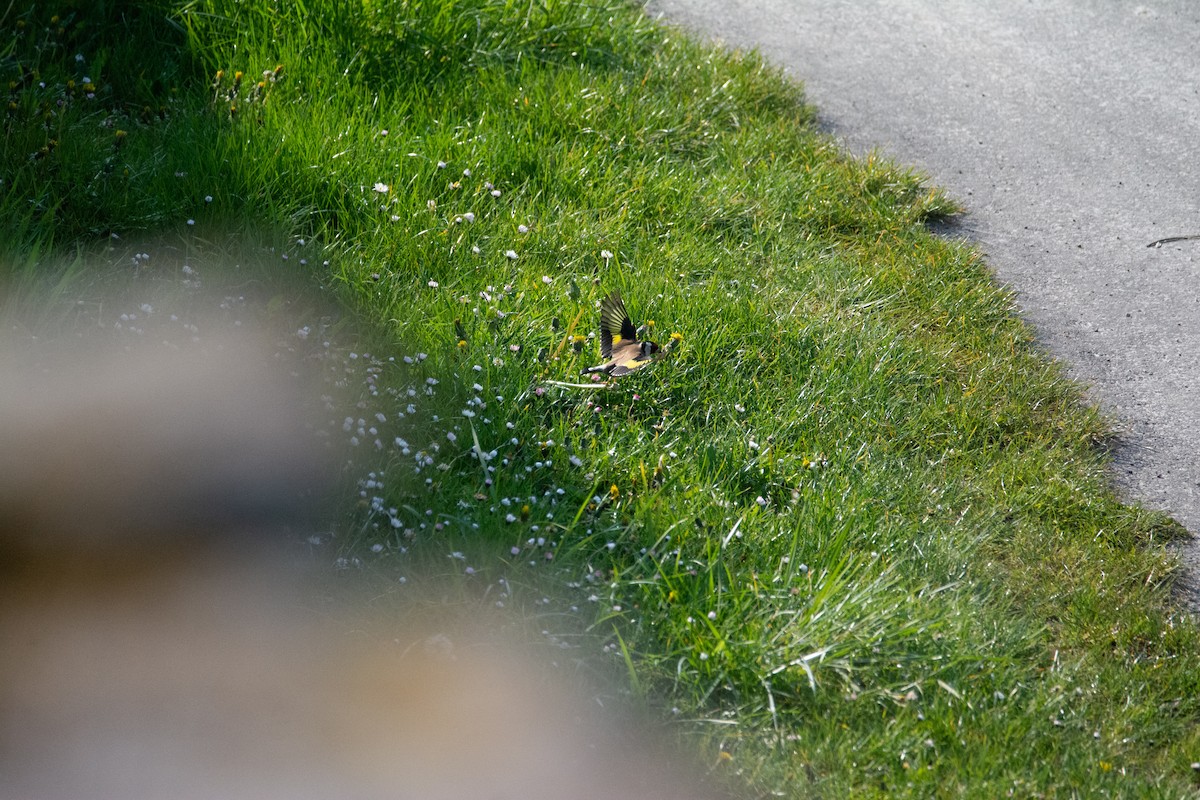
619, 345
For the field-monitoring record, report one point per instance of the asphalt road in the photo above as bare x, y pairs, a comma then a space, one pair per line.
1071, 131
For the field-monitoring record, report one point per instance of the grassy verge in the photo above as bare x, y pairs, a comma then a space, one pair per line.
854, 533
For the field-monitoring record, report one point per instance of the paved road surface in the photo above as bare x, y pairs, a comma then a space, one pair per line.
1071, 130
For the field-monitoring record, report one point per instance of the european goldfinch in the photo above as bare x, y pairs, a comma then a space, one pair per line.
619, 345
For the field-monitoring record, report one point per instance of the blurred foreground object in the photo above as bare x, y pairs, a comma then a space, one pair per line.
106, 450
156, 641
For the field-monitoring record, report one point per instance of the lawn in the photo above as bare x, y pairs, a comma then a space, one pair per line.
853, 535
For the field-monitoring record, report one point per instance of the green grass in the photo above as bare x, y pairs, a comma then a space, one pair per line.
854, 533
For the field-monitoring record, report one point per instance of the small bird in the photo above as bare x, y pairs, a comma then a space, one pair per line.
619, 345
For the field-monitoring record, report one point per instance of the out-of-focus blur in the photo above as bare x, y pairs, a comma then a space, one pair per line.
155, 640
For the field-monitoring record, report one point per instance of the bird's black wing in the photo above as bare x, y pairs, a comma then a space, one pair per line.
614, 323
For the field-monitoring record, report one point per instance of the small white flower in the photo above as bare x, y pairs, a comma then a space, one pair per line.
191, 222
468, 413
576, 461
469, 216
431, 381
451, 437
509, 518
522, 229
606, 254
466, 173
762, 503
382, 188
712, 615
433, 284
495, 192
79, 58
546, 279
208, 198
510, 254
441, 165
475, 249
